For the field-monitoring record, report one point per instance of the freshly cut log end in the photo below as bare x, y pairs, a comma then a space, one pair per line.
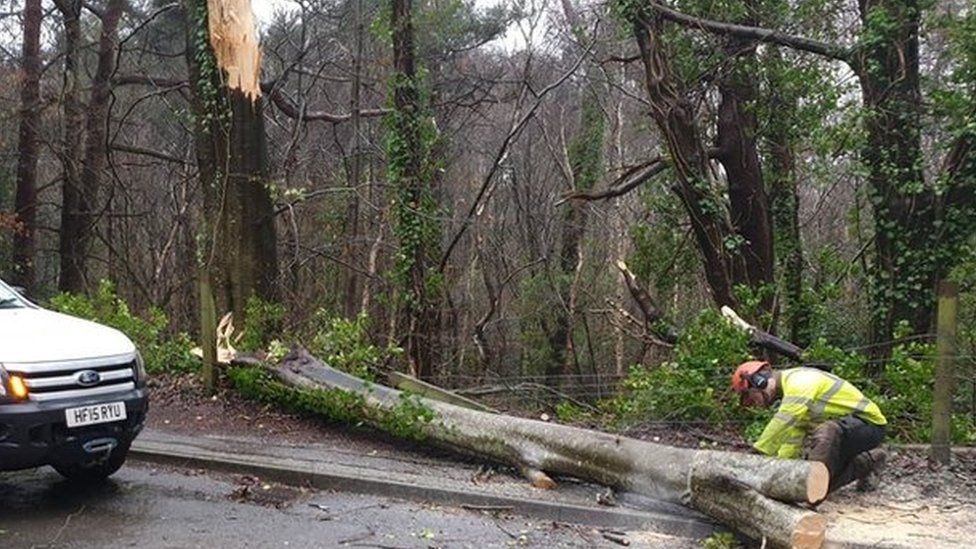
818, 482
750, 512
809, 532
539, 479
789, 480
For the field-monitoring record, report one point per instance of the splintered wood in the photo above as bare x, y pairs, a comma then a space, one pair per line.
233, 38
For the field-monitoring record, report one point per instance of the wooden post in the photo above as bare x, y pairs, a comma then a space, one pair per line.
208, 330
945, 349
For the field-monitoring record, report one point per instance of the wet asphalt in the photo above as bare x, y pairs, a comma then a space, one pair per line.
166, 507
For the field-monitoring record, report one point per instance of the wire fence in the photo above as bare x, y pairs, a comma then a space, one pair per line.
532, 393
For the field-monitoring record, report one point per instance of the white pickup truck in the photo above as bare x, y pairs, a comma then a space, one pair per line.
72, 392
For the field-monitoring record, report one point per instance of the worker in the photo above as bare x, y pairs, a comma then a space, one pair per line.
845, 428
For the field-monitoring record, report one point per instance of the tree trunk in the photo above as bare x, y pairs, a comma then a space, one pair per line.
752, 257
352, 249
720, 495
239, 241
96, 122
784, 202
695, 185
24, 272
540, 449
75, 210
585, 161
907, 264
414, 208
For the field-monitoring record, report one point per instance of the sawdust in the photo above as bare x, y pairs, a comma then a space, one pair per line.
915, 506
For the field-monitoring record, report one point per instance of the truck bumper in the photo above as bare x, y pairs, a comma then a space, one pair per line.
36, 433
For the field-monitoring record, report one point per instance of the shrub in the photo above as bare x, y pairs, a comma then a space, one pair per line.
160, 352
903, 392
695, 384
262, 324
344, 344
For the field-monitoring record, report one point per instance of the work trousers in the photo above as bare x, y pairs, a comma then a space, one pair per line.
838, 443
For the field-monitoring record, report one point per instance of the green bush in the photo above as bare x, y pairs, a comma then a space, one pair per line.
692, 386
262, 324
344, 344
160, 352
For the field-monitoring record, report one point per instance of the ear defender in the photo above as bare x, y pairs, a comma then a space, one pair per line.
759, 380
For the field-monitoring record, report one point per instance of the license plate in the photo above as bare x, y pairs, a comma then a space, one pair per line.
94, 414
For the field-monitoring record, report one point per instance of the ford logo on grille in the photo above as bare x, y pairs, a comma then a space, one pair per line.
87, 378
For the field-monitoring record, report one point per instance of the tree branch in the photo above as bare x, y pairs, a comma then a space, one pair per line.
147, 152
143, 80
758, 34
291, 110
513, 134
630, 180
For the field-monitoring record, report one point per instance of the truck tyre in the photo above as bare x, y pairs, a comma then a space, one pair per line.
92, 473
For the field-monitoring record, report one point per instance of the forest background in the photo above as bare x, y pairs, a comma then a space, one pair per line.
447, 189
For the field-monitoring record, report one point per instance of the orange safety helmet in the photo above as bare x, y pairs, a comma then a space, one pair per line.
740, 379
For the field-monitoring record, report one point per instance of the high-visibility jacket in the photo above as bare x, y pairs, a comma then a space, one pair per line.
810, 397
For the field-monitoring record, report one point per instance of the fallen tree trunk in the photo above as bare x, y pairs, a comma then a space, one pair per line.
539, 449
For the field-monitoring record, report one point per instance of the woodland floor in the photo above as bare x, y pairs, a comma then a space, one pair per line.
915, 506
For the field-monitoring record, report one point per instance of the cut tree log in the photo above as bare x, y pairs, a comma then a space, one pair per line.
539, 449
720, 496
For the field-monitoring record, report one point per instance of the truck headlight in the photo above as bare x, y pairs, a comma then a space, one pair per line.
12, 387
139, 373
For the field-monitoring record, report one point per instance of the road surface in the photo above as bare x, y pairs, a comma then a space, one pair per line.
150, 506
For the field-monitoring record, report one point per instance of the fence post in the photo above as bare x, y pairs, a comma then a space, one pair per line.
208, 330
945, 350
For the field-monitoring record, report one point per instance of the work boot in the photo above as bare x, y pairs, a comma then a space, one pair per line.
868, 467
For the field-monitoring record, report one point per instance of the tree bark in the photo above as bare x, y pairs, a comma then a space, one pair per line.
541, 449
414, 215
752, 258
352, 249
585, 161
24, 272
906, 265
695, 185
75, 209
239, 240
720, 495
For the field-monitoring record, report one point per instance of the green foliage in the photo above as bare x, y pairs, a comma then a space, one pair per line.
721, 540
338, 405
407, 419
695, 384
567, 412
586, 150
161, 352
344, 344
262, 324
410, 138
903, 391
662, 236
215, 107
750, 300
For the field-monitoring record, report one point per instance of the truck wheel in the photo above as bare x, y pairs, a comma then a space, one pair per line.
93, 472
